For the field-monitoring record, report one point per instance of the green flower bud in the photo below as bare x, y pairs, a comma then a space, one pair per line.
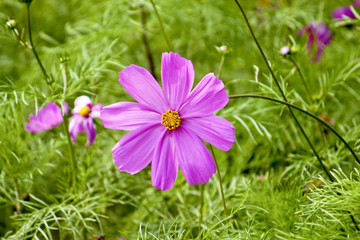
11, 24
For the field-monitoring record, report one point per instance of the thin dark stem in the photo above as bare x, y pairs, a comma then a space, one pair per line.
161, 26
303, 111
201, 215
281, 91
221, 66
71, 151
46, 76
302, 78
149, 56
220, 182
313, 116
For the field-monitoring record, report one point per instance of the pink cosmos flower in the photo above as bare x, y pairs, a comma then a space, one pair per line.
319, 36
47, 118
169, 124
341, 12
82, 120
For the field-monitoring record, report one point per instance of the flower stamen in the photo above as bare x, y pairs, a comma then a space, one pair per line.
171, 120
85, 111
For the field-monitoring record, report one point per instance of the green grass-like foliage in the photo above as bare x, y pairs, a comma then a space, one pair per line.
264, 174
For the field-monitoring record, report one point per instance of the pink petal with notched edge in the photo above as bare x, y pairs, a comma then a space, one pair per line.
81, 102
128, 116
75, 126
164, 166
135, 150
195, 160
95, 111
89, 130
177, 75
207, 97
142, 86
212, 129
48, 118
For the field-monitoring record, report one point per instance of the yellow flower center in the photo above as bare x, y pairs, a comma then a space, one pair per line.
171, 120
85, 111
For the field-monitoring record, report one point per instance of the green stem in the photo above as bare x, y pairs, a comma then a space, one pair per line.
46, 76
201, 214
221, 66
161, 26
71, 151
303, 111
282, 92
149, 56
220, 182
302, 78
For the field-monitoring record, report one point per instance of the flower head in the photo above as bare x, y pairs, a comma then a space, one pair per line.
169, 124
285, 50
82, 119
342, 12
47, 118
319, 36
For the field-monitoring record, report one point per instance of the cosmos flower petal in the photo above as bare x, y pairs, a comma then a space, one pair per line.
195, 160
142, 86
75, 126
48, 118
135, 150
207, 97
81, 102
128, 116
177, 75
164, 166
88, 126
95, 111
341, 12
212, 129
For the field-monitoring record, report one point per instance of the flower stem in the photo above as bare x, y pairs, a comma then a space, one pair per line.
201, 215
302, 78
221, 66
71, 151
281, 91
32, 46
146, 42
220, 182
303, 111
161, 26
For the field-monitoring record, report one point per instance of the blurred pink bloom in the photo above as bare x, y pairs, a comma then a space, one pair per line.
319, 36
48, 118
168, 125
342, 12
82, 119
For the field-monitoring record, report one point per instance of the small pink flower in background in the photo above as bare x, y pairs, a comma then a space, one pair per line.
319, 36
341, 12
47, 118
169, 124
82, 119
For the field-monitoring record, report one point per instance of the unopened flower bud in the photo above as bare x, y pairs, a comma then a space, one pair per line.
285, 50
223, 49
26, 1
11, 24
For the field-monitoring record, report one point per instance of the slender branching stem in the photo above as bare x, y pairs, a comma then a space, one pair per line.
32, 46
71, 151
148, 53
201, 214
302, 78
161, 26
221, 66
220, 181
303, 111
282, 92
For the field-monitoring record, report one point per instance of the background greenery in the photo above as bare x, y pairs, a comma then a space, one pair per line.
264, 174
